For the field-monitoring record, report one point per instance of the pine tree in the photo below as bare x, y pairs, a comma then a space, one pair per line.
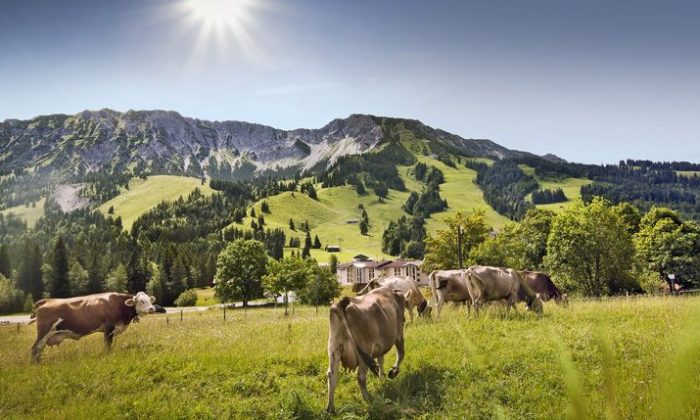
5, 265
59, 282
252, 212
306, 252
95, 275
334, 264
135, 273
363, 227
291, 224
317, 242
29, 276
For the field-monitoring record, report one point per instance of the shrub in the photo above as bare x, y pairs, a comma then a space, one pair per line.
11, 299
187, 298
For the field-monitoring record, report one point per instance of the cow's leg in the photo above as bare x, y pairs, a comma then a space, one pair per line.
333, 366
109, 336
362, 380
380, 363
43, 338
410, 312
438, 305
399, 357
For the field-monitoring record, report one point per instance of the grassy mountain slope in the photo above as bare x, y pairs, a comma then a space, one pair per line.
143, 195
329, 215
328, 218
571, 187
27, 213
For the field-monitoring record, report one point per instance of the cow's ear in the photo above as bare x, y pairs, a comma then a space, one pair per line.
129, 302
153, 299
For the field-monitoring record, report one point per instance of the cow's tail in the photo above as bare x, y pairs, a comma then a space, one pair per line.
433, 286
370, 286
366, 358
38, 304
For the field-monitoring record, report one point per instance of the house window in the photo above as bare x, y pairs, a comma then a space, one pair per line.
371, 274
358, 275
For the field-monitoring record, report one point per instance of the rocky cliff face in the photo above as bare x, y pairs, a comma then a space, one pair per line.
165, 141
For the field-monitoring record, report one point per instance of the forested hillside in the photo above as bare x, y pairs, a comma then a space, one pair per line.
399, 195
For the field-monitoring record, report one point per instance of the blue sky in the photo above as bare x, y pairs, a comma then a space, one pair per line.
591, 81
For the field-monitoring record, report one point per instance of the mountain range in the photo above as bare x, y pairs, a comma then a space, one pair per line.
166, 142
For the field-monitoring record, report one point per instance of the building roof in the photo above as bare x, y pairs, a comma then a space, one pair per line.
403, 263
379, 264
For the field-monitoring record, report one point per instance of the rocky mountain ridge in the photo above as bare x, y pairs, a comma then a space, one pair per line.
167, 142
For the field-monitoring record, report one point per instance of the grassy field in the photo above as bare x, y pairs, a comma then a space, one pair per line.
143, 195
571, 187
28, 213
611, 359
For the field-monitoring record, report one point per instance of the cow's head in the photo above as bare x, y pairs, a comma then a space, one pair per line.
563, 300
424, 309
143, 303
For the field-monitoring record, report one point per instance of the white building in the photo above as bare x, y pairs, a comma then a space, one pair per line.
362, 269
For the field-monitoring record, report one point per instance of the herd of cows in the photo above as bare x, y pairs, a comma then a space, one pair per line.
362, 328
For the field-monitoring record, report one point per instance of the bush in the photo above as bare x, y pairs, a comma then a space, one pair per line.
651, 282
11, 299
187, 298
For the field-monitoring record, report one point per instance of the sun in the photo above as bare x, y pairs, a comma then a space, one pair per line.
222, 24
219, 13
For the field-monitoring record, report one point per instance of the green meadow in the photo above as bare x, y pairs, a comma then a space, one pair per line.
143, 195
27, 213
620, 358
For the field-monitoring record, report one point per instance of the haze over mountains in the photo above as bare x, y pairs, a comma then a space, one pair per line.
167, 142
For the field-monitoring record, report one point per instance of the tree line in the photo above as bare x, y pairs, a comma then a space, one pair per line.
593, 249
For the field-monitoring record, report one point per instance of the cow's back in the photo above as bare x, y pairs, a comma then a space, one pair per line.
85, 314
452, 284
376, 320
494, 283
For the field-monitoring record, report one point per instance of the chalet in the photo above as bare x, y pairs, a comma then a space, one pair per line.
362, 269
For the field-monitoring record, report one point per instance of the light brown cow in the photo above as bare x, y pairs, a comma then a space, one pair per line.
362, 329
488, 284
74, 318
412, 294
449, 286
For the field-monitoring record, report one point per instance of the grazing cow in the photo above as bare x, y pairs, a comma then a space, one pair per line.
449, 286
488, 284
74, 318
412, 294
362, 329
541, 284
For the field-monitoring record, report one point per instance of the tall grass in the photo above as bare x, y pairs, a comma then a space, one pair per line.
615, 359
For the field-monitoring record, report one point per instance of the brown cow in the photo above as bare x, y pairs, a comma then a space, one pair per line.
74, 318
362, 329
488, 284
541, 284
449, 286
412, 294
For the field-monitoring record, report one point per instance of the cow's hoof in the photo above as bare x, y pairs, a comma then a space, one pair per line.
393, 373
